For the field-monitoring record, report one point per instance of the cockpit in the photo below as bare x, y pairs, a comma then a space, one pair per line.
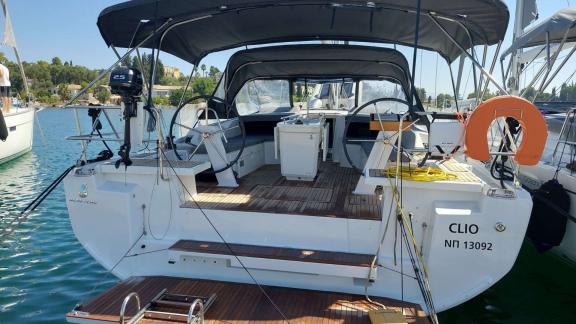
297, 106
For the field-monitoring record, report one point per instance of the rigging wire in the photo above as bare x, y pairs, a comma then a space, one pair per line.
224, 240
124, 256
375, 258
436, 82
418, 261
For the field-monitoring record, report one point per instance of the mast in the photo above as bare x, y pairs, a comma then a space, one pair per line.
526, 12
10, 40
514, 82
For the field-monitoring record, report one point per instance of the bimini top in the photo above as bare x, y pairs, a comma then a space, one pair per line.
315, 61
196, 28
560, 24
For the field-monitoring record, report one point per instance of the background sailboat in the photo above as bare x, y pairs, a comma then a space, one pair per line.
16, 126
552, 181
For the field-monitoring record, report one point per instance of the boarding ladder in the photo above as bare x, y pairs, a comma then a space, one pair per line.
169, 308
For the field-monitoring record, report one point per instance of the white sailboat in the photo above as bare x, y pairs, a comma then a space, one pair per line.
17, 125
253, 208
553, 181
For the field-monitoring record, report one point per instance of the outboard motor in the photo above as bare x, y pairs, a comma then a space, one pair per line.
127, 83
3, 128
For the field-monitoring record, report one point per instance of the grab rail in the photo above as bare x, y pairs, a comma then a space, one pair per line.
200, 316
125, 303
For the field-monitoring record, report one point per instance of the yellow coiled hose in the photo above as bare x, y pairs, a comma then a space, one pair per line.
425, 174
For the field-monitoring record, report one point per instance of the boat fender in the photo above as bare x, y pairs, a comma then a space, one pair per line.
3, 128
535, 130
548, 220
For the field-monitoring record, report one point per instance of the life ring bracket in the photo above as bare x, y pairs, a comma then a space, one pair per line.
535, 130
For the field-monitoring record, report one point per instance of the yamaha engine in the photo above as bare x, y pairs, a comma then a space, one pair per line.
127, 83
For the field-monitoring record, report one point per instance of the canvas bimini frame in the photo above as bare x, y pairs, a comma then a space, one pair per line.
151, 32
547, 40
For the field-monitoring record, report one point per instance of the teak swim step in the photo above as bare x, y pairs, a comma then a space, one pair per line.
235, 303
279, 253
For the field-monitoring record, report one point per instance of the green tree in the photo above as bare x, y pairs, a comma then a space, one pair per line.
15, 77
203, 67
487, 95
421, 92
567, 92
213, 71
203, 86
56, 61
175, 96
64, 93
161, 101
103, 95
443, 100
146, 63
530, 92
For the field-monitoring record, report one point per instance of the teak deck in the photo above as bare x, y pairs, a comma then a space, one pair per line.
266, 190
266, 252
243, 303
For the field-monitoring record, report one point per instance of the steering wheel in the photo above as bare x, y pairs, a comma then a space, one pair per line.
204, 134
350, 119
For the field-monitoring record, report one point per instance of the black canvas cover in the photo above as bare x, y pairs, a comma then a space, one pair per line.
199, 27
557, 26
549, 215
315, 61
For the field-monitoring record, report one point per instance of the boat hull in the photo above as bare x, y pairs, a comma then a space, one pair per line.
129, 220
20, 125
533, 177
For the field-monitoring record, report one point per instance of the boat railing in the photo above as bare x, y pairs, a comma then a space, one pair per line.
565, 135
87, 138
127, 299
197, 318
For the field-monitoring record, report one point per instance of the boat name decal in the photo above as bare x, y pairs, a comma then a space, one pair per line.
468, 245
458, 228
83, 201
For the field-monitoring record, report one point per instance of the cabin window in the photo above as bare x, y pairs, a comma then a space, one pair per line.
220, 92
375, 89
329, 94
263, 96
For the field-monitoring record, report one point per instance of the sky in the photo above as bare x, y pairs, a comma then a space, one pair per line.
67, 29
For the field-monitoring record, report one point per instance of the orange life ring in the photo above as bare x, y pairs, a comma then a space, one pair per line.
534, 128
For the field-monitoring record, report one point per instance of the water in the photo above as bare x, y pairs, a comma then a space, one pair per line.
44, 271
